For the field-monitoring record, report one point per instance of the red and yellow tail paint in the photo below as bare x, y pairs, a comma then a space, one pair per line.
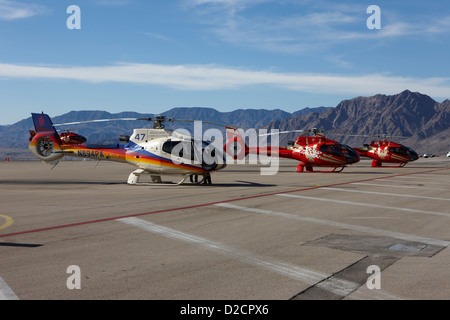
45, 142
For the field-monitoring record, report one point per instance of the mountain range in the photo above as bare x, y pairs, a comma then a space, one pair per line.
411, 118
424, 122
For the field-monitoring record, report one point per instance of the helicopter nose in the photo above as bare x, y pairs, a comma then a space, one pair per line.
352, 156
413, 155
213, 162
221, 166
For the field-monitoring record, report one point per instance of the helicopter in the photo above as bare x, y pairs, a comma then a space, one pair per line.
386, 151
311, 151
66, 137
157, 151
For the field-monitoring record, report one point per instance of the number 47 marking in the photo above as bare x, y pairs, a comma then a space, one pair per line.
140, 136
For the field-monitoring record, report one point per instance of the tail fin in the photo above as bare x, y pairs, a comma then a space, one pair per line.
235, 145
45, 140
42, 123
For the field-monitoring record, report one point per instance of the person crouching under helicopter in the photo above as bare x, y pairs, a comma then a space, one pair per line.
206, 178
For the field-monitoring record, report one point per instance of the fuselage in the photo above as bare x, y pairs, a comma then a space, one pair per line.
315, 151
388, 151
156, 151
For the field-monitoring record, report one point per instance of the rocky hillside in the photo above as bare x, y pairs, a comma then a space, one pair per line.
425, 122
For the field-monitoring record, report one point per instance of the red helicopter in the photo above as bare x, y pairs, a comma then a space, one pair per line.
311, 151
72, 138
67, 137
385, 151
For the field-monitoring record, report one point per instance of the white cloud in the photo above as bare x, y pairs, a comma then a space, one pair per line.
213, 77
12, 10
299, 26
308, 26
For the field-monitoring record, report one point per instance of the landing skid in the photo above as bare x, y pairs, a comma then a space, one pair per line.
376, 163
302, 166
133, 179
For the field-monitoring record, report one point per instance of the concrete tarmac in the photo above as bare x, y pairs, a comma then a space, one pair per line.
78, 231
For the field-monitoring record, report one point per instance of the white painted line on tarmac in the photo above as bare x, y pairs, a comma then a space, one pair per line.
5, 291
394, 186
377, 206
430, 175
368, 294
385, 194
418, 177
335, 224
336, 286
417, 182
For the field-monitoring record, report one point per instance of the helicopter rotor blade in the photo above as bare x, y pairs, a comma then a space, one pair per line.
209, 122
289, 131
159, 119
99, 120
146, 119
380, 136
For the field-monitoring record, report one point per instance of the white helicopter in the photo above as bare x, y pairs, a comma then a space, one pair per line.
157, 151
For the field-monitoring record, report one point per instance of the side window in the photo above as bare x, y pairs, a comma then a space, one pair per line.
169, 145
179, 148
398, 150
331, 149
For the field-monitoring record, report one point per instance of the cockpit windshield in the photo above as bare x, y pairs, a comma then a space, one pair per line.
405, 151
399, 150
203, 153
412, 154
334, 149
340, 150
350, 154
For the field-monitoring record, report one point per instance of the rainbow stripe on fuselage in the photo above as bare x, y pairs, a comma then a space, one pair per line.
132, 154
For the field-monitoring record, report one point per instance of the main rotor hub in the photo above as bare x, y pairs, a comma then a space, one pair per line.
158, 122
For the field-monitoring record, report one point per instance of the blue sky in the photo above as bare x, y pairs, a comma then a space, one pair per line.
150, 56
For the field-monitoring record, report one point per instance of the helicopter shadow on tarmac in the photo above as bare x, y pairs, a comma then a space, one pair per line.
203, 185
237, 183
37, 182
367, 172
50, 182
